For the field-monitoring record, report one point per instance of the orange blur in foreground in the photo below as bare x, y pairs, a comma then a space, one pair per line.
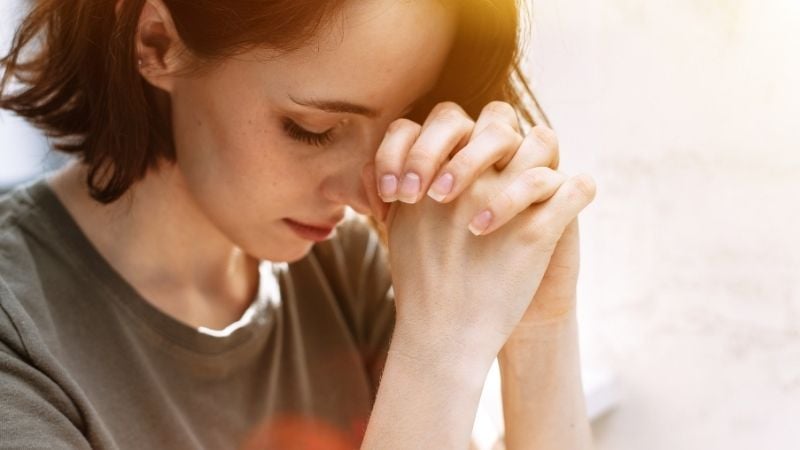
297, 432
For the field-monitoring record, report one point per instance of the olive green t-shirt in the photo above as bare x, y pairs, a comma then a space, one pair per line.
86, 362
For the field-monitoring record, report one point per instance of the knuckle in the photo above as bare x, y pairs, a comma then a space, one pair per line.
503, 203
421, 153
445, 105
453, 119
500, 108
584, 187
449, 112
463, 163
504, 132
547, 136
532, 179
403, 125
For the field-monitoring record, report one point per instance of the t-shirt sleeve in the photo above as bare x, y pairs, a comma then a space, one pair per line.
34, 411
371, 306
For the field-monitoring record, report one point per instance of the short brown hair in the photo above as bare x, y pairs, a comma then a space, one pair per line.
75, 63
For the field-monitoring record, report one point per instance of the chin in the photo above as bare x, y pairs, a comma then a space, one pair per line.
286, 253
280, 246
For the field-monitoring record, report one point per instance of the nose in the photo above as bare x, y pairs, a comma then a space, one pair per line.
348, 187
351, 180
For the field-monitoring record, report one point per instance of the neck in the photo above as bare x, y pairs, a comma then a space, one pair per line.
159, 240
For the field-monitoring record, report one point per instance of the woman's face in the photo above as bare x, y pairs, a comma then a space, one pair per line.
242, 129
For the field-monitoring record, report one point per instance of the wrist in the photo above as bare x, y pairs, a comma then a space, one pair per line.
549, 310
544, 332
466, 357
427, 398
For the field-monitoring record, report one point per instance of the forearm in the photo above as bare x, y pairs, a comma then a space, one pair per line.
543, 401
426, 399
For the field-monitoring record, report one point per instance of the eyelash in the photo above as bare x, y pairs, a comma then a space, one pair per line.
298, 133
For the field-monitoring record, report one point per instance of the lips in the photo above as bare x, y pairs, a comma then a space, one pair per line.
312, 231
320, 226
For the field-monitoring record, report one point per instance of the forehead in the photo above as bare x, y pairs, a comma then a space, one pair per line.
376, 52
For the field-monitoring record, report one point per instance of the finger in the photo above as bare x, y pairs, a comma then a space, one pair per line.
539, 149
535, 185
548, 137
497, 111
391, 156
447, 129
551, 217
496, 142
377, 207
493, 113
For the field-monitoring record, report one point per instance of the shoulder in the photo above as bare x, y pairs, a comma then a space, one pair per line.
36, 409
15, 205
22, 230
23, 217
14, 318
26, 245
17, 211
10, 339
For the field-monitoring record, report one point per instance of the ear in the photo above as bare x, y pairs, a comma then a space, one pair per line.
158, 45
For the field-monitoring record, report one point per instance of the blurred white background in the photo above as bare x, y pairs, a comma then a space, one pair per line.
687, 114
23, 151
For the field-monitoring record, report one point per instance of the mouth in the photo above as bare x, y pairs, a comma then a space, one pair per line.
312, 232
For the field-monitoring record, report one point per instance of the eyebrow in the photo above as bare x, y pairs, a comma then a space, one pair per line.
338, 106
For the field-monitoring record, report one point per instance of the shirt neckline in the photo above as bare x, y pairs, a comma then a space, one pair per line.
253, 323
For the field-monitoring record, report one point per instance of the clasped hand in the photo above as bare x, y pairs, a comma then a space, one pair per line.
468, 257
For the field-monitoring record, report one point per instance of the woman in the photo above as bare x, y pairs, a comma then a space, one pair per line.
189, 281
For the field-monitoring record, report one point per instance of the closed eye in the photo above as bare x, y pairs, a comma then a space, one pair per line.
298, 133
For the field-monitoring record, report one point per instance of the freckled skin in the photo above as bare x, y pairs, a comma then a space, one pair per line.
243, 171
189, 235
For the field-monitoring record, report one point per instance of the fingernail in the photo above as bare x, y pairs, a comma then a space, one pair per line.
388, 187
409, 190
442, 187
480, 222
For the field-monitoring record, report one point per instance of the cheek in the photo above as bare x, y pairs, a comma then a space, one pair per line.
222, 146
240, 179
236, 172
